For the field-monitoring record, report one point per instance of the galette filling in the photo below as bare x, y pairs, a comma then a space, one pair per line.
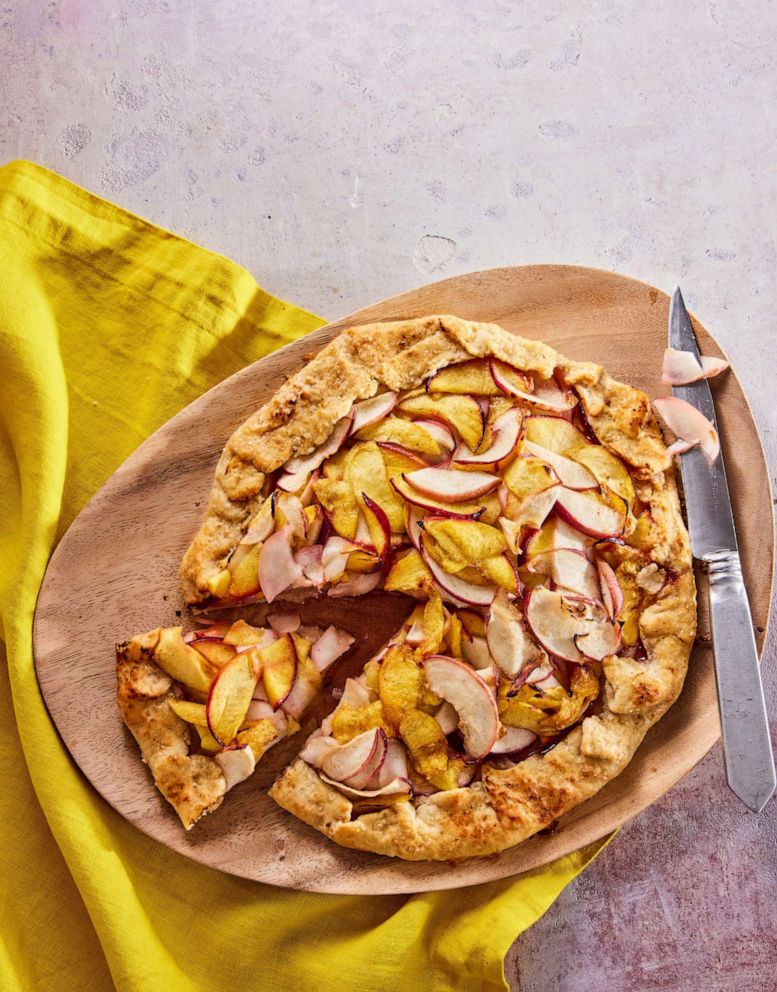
485, 495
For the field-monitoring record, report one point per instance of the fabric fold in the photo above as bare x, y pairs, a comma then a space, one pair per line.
108, 327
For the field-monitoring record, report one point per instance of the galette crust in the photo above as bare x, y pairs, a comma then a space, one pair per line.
193, 784
507, 806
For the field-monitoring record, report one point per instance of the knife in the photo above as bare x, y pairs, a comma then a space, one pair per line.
747, 746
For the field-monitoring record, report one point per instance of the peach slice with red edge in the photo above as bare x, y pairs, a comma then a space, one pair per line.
278, 664
378, 526
366, 472
230, 695
440, 431
463, 413
570, 473
455, 589
691, 426
505, 434
469, 508
276, 566
371, 411
682, 367
571, 570
513, 741
216, 652
362, 754
449, 486
546, 396
403, 432
612, 594
557, 621
470, 378
180, 661
471, 697
509, 641
588, 512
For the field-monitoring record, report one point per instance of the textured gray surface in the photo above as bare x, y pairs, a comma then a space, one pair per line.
344, 156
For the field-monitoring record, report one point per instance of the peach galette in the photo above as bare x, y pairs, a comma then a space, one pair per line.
528, 503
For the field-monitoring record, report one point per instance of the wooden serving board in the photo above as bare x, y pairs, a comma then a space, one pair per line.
151, 507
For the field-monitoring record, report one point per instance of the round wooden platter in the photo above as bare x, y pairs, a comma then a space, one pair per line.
114, 574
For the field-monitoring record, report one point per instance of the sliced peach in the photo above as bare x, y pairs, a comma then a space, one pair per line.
371, 411
462, 412
471, 378
409, 575
190, 712
554, 434
527, 475
501, 570
277, 568
237, 763
259, 735
262, 523
242, 634
509, 641
472, 508
456, 589
180, 661
245, 571
470, 696
402, 432
570, 473
278, 663
505, 433
449, 486
307, 463
216, 652
608, 470
366, 473
465, 541
230, 696
546, 396
589, 513
339, 501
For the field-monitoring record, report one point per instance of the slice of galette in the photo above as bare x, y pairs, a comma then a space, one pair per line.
206, 706
529, 504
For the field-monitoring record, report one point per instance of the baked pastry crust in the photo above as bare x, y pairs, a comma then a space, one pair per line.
508, 805
193, 784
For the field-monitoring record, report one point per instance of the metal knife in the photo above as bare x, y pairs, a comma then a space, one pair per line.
746, 743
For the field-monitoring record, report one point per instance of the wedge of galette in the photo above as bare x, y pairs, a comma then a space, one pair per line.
206, 706
528, 504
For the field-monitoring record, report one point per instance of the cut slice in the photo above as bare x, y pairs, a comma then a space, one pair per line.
371, 411
455, 589
466, 378
587, 512
558, 621
509, 642
572, 570
504, 440
471, 697
230, 696
688, 424
449, 486
278, 663
514, 740
463, 413
570, 473
547, 397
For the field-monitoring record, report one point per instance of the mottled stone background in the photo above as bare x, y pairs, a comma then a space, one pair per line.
345, 151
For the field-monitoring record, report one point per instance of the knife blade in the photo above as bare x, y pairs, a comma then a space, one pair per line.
747, 747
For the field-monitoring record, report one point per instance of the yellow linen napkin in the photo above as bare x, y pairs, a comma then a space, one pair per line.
108, 326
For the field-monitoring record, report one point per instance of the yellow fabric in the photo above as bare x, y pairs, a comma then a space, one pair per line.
108, 326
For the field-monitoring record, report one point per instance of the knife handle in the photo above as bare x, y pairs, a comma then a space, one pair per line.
746, 741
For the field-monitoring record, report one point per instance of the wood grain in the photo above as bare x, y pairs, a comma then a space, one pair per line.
114, 574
